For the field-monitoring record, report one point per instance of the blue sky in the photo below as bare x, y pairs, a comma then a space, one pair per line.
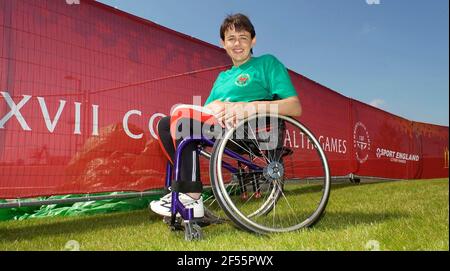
393, 55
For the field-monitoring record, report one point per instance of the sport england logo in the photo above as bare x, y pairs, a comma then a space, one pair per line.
361, 142
242, 80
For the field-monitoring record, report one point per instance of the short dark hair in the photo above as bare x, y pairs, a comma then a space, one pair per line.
239, 22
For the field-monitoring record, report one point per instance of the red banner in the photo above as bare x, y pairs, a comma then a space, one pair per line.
82, 86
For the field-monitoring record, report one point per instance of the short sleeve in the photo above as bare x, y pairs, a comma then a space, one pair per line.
212, 95
210, 98
279, 80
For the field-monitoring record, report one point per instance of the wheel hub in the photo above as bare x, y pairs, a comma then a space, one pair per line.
273, 171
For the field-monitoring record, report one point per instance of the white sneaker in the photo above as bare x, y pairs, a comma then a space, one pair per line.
162, 206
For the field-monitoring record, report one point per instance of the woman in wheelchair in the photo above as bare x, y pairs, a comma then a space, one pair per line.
250, 79
252, 86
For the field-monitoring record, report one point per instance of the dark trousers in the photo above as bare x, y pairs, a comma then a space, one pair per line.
190, 181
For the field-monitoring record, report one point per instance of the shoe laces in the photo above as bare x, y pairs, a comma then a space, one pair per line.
167, 198
188, 200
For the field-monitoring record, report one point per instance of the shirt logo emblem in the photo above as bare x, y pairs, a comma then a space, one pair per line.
242, 80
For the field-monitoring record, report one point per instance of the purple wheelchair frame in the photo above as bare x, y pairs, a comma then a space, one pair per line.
176, 205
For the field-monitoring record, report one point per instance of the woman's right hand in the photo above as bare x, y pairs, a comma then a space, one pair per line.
216, 106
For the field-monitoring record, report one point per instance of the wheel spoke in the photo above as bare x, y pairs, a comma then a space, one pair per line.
287, 199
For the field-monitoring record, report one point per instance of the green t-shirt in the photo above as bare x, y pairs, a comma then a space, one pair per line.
260, 78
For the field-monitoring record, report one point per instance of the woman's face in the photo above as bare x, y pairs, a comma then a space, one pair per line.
238, 45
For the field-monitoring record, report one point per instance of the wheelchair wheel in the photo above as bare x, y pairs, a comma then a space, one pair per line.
270, 174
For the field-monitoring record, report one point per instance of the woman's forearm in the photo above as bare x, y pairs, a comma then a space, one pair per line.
288, 107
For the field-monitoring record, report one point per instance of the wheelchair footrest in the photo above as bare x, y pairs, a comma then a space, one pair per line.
209, 219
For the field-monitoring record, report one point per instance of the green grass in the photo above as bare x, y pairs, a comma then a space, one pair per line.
401, 215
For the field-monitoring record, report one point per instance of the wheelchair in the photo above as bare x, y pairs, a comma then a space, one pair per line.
268, 174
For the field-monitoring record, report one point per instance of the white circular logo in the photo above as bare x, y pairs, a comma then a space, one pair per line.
72, 245
361, 142
372, 245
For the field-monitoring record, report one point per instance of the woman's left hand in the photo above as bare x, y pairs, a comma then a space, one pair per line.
235, 112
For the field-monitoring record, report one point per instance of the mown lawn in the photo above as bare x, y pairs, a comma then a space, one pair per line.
400, 215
